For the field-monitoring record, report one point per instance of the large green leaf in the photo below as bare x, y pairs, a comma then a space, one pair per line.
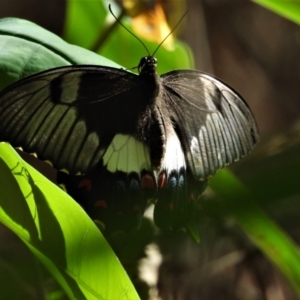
59, 233
26, 48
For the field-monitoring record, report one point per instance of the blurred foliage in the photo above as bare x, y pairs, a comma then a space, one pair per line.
287, 9
239, 202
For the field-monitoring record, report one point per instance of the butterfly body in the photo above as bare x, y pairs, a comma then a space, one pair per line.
133, 137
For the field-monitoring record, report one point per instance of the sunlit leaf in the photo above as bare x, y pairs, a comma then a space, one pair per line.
59, 233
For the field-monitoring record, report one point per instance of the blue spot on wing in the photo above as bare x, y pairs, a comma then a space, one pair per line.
174, 207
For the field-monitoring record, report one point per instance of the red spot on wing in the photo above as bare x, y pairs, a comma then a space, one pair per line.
85, 183
136, 208
100, 203
170, 206
147, 181
191, 197
162, 179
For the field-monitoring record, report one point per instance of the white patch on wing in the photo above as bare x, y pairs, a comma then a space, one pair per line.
208, 95
91, 141
69, 87
196, 155
127, 154
174, 156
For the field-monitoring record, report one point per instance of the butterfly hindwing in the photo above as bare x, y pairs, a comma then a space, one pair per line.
214, 124
178, 190
115, 193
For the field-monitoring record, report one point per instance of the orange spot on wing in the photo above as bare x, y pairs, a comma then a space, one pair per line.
136, 208
191, 197
162, 179
100, 203
85, 183
170, 206
147, 181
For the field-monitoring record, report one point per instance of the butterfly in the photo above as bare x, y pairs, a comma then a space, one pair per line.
125, 138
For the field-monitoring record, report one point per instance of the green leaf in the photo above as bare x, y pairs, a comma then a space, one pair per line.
59, 233
84, 21
286, 9
269, 238
192, 231
27, 48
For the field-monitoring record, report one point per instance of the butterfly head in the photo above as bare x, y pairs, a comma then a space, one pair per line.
147, 65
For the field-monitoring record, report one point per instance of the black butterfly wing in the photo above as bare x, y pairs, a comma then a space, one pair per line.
214, 124
70, 115
86, 119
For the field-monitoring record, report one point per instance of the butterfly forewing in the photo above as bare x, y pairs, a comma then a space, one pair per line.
215, 125
70, 115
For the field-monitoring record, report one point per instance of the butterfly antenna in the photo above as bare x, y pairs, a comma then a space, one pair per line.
169, 33
109, 7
